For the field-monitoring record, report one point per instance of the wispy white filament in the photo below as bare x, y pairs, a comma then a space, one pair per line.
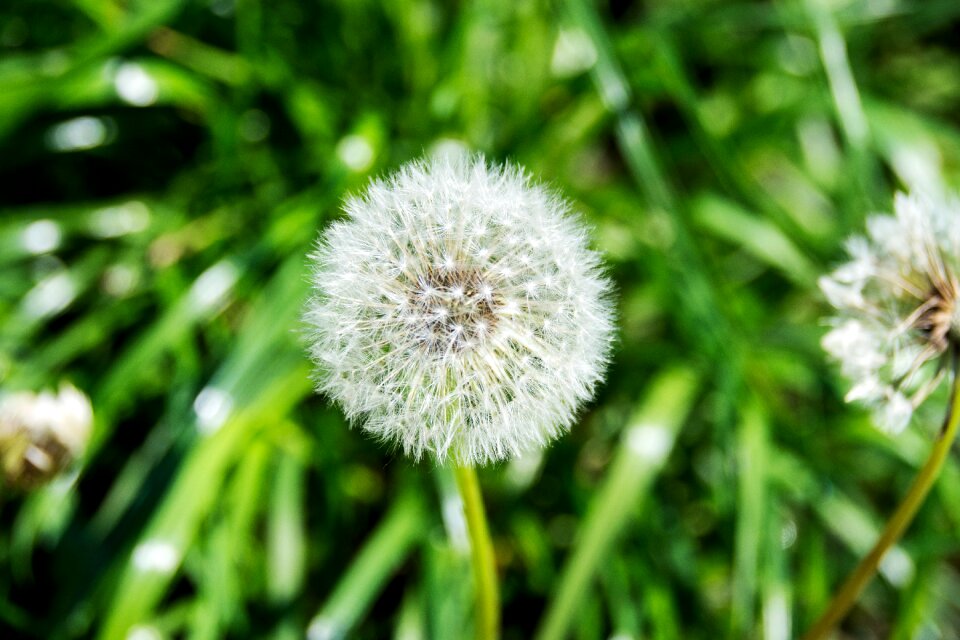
897, 307
458, 312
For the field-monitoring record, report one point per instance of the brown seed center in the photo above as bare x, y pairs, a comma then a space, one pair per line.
459, 308
935, 321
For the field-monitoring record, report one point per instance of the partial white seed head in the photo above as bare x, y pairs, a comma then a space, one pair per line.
41, 434
897, 307
458, 312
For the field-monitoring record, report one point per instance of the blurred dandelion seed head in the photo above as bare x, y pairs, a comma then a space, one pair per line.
897, 307
42, 434
458, 312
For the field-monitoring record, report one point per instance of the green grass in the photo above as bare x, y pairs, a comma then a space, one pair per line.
189, 153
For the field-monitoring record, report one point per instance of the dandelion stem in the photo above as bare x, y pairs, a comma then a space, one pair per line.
481, 554
898, 523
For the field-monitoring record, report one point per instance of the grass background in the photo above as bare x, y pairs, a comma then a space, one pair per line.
188, 153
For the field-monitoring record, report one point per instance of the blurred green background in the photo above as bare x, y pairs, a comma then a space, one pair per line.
165, 166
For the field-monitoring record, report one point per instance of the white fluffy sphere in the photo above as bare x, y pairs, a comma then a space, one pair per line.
458, 312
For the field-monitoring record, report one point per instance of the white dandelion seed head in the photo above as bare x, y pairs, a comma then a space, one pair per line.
897, 306
42, 433
458, 312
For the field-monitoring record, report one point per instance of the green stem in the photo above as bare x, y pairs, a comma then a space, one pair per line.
898, 523
481, 554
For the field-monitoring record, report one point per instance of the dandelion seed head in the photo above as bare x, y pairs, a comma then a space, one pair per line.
41, 434
463, 351
897, 309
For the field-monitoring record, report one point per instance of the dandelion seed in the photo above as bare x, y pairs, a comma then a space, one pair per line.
448, 356
897, 307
